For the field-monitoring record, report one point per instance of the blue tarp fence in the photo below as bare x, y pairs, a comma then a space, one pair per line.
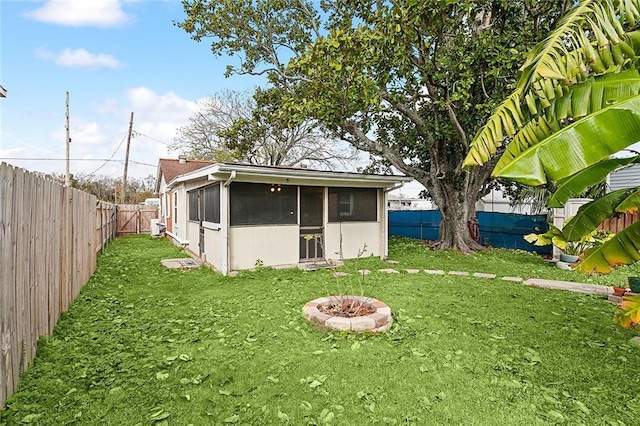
504, 230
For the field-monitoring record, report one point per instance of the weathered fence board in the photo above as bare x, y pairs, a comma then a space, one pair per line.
135, 219
49, 239
618, 222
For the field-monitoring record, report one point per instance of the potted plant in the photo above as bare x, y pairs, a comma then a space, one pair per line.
570, 250
619, 291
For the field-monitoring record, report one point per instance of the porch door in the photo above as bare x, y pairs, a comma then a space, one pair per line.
311, 223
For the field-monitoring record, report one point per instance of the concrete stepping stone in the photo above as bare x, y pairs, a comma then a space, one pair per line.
389, 271
340, 274
364, 272
483, 275
393, 262
570, 286
459, 273
434, 271
412, 271
613, 298
182, 263
512, 279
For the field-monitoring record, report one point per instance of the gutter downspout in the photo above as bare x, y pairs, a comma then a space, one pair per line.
224, 219
385, 218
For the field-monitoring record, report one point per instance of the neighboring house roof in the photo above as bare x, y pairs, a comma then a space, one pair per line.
285, 174
628, 177
171, 168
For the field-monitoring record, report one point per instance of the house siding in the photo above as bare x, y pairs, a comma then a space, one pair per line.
625, 178
354, 236
273, 245
213, 248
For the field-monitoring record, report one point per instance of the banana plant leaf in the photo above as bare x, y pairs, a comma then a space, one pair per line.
630, 313
577, 183
568, 56
622, 249
631, 204
590, 215
575, 147
579, 101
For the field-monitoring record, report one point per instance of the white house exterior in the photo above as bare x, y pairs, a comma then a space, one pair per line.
168, 170
402, 202
237, 216
627, 177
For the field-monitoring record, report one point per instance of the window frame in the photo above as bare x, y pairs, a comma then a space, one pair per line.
175, 208
260, 199
216, 203
190, 198
206, 218
362, 202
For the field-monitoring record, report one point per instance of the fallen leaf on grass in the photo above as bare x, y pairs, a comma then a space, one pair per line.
159, 415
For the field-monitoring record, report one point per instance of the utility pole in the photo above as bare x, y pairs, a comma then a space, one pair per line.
126, 161
67, 176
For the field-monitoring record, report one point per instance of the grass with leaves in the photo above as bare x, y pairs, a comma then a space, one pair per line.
147, 345
412, 253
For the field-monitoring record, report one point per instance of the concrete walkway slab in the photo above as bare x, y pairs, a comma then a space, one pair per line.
570, 286
182, 263
484, 275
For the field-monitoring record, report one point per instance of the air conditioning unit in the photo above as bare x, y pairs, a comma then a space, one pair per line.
157, 228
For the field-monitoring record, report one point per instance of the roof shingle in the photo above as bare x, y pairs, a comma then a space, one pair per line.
170, 168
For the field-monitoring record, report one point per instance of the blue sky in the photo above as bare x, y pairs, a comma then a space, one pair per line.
114, 57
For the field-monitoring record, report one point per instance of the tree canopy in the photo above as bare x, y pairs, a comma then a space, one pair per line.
576, 103
245, 126
408, 81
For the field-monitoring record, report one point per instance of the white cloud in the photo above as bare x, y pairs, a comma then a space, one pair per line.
168, 106
81, 132
99, 133
76, 13
79, 58
156, 118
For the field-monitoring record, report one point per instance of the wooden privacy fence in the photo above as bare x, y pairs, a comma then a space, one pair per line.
618, 222
49, 239
135, 218
106, 226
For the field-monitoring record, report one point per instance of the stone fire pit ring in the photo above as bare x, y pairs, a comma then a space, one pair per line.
377, 322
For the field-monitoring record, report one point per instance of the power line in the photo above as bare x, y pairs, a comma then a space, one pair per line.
106, 160
55, 159
137, 133
143, 164
112, 155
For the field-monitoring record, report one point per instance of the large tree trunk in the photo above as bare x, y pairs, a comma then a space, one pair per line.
455, 192
457, 205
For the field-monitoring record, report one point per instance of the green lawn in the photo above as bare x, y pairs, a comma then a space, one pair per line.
146, 345
503, 262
